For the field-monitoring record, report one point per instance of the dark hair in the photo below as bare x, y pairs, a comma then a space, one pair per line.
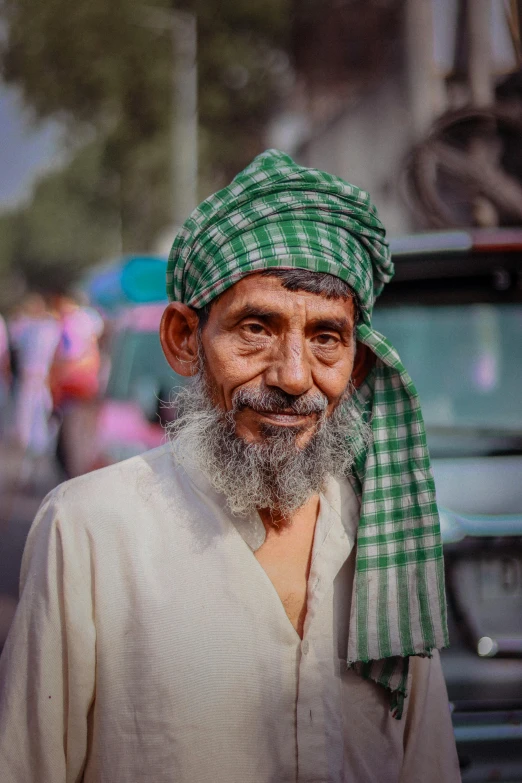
321, 283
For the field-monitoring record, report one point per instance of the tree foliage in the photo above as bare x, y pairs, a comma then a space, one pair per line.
70, 223
106, 69
91, 65
107, 63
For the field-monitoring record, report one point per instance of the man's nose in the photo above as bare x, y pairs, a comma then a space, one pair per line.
290, 369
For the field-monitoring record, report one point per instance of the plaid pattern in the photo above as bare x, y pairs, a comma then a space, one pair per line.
278, 214
399, 604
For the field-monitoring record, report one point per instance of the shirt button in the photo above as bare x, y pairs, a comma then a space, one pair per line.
305, 647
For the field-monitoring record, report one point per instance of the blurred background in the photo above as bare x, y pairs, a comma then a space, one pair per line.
117, 118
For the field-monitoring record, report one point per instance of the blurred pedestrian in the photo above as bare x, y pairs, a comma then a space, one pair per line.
34, 335
76, 365
75, 380
5, 373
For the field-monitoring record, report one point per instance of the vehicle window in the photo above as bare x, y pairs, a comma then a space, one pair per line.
465, 360
137, 360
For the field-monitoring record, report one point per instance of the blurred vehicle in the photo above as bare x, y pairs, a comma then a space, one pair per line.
454, 313
140, 395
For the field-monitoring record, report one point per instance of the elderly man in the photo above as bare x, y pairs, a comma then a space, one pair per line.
262, 598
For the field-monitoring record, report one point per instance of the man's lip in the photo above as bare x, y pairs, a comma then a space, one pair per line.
286, 417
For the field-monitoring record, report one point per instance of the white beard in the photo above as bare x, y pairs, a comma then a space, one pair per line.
275, 474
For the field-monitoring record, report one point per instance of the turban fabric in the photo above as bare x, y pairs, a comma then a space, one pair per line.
277, 214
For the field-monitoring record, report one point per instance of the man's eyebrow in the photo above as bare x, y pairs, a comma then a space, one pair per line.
265, 314
255, 311
330, 324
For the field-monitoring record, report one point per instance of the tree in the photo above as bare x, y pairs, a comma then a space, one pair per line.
244, 72
71, 222
99, 68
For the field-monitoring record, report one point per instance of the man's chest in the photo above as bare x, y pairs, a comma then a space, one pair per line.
206, 658
285, 558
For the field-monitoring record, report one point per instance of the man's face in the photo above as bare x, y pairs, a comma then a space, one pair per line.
261, 337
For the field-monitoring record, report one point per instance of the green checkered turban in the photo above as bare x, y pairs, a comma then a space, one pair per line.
276, 214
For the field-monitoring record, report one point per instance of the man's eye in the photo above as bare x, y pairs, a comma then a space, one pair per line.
254, 328
326, 339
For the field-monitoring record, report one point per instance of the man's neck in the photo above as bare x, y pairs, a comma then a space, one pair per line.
305, 517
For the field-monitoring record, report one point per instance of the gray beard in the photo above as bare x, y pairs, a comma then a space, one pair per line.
275, 474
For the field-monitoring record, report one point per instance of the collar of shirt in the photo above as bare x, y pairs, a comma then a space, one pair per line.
335, 530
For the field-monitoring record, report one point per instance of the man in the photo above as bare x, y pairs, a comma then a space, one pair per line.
261, 599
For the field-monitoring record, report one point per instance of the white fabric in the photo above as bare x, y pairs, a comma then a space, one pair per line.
35, 340
150, 645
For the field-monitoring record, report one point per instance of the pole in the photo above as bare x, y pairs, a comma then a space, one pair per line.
185, 116
184, 109
479, 63
425, 85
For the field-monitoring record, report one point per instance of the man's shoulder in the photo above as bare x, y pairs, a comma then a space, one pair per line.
120, 490
118, 512
121, 475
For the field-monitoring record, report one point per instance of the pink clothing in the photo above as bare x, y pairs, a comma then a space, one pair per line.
75, 375
80, 328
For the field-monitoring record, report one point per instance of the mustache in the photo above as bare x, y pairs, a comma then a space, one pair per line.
278, 401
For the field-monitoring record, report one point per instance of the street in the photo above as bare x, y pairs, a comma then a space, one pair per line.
19, 502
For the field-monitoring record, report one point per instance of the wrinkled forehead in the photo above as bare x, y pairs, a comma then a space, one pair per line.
266, 296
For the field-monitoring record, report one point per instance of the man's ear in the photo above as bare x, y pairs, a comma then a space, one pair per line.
179, 338
364, 361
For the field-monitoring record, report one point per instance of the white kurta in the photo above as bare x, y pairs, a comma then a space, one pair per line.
150, 645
